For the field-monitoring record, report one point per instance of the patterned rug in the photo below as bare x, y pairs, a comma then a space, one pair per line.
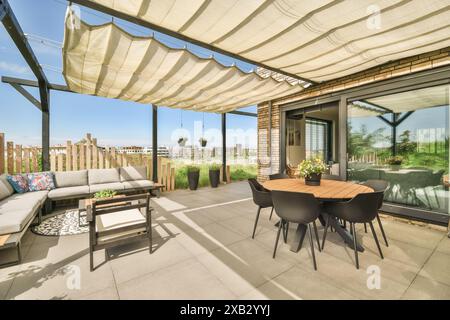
62, 224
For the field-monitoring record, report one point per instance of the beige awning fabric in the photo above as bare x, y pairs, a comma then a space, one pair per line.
109, 62
318, 40
431, 97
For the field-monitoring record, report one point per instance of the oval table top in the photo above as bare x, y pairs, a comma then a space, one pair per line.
328, 189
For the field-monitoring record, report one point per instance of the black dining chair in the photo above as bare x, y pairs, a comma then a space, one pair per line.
262, 198
361, 209
296, 207
378, 186
276, 176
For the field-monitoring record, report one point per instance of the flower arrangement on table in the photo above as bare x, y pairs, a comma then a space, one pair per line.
312, 171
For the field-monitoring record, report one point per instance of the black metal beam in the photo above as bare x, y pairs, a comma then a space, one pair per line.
27, 95
155, 142
390, 123
404, 117
45, 156
224, 147
143, 23
35, 84
243, 113
394, 135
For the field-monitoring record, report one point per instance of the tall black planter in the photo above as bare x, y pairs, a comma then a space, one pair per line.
193, 179
214, 178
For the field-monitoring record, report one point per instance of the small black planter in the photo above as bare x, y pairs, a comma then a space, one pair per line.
214, 178
313, 180
193, 179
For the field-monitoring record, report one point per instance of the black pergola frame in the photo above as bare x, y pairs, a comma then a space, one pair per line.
12, 26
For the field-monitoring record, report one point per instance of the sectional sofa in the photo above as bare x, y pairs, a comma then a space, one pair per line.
19, 210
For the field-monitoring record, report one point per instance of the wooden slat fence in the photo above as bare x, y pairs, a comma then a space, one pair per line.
16, 158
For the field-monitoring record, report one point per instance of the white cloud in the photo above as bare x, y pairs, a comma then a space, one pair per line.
12, 67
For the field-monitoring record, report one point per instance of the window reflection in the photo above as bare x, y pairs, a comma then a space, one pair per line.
403, 138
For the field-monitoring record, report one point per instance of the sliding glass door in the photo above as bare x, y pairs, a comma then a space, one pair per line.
403, 138
312, 132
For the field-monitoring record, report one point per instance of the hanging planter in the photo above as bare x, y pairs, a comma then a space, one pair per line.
203, 142
182, 141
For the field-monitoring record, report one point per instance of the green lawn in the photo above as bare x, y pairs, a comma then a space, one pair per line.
237, 172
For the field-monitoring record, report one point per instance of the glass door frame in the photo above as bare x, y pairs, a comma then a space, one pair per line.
418, 80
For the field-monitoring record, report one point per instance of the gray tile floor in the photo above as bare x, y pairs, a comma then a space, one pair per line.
203, 250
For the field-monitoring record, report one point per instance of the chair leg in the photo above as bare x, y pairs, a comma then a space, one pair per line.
271, 212
278, 237
327, 225
317, 235
365, 227
285, 230
256, 222
311, 241
382, 230
91, 259
355, 244
150, 238
376, 239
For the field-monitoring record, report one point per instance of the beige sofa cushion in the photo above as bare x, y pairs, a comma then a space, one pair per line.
15, 221
133, 173
17, 210
137, 184
117, 186
115, 220
71, 178
5, 187
100, 176
69, 192
23, 201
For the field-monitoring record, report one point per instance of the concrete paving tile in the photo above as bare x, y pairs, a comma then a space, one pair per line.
186, 280
426, 289
437, 268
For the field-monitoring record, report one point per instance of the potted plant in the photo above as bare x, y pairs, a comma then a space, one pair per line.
214, 175
105, 194
203, 142
395, 162
193, 174
182, 141
312, 171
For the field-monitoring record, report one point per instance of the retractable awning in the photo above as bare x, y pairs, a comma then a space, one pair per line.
107, 61
408, 101
318, 40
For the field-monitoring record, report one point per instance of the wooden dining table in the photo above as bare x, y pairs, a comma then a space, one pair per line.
327, 191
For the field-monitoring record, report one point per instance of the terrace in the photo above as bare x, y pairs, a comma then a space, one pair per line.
204, 250
368, 103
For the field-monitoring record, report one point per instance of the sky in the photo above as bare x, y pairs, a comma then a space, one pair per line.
112, 122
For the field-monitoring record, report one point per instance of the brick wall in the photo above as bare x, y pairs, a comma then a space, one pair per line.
386, 71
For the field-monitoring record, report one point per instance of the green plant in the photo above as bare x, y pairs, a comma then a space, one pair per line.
309, 167
215, 166
394, 160
107, 193
193, 168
